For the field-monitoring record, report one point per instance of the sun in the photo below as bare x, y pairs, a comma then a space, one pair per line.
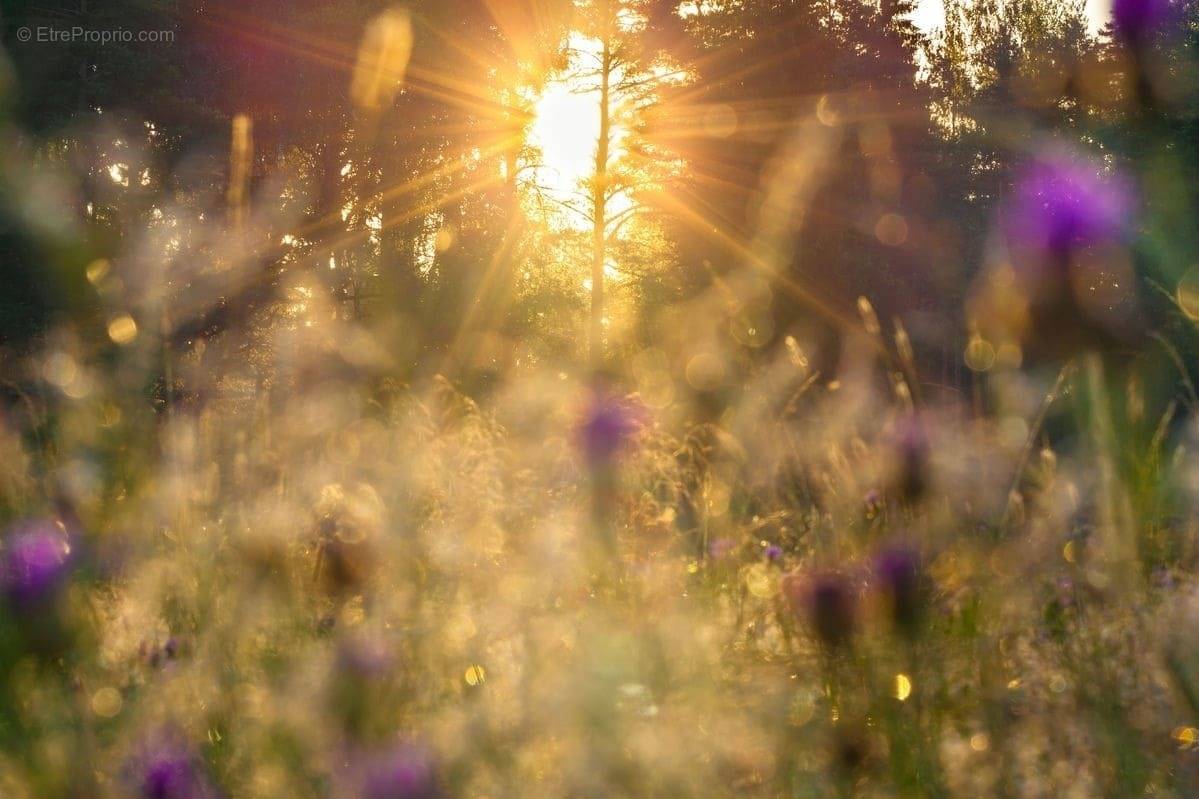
565, 132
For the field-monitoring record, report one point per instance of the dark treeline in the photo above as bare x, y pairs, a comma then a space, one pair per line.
417, 197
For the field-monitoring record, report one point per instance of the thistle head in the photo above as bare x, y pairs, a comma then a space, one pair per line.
1137, 20
403, 771
1067, 225
1062, 206
827, 603
364, 658
900, 579
35, 562
167, 768
608, 424
911, 454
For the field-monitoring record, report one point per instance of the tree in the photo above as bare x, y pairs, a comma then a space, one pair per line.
762, 68
623, 79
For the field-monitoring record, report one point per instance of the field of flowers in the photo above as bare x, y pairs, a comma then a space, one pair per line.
379, 591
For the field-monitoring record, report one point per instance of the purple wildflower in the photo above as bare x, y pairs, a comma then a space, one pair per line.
608, 423
169, 769
911, 452
406, 771
1062, 205
1063, 221
35, 562
773, 552
1135, 20
1065, 591
364, 658
158, 656
721, 548
828, 602
1162, 578
900, 579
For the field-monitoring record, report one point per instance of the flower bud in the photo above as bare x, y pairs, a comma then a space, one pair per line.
608, 424
1067, 226
900, 579
827, 602
910, 458
1136, 20
405, 771
34, 564
168, 768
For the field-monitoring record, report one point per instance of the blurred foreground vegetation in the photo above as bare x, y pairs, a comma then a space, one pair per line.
825, 429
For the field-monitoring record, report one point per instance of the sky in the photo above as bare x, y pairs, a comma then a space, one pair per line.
930, 13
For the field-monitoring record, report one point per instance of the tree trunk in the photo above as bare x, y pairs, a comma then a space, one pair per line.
599, 208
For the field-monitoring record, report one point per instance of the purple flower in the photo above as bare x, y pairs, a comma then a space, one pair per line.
405, 771
1162, 578
158, 656
773, 552
167, 768
1065, 592
1062, 205
608, 423
364, 658
911, 452
1134, 20
900, 578
1065, 221
721, 548
827, 601
35, 561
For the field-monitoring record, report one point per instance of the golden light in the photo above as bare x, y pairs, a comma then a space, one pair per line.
565, 130
97, 270
1185, 737
382, 60
119, 174
903, 687
122, 329
474, 676
107, 702
1187, 293
980, 354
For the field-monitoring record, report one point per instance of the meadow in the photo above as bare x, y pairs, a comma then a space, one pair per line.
599, 399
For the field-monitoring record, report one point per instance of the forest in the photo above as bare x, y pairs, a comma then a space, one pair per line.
599, 398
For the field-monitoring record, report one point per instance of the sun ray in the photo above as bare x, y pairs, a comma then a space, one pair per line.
754, 258
431, 83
